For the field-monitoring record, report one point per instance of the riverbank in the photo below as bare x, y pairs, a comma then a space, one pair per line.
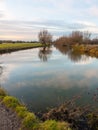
91, 50
10, 47
15, 116
78, 49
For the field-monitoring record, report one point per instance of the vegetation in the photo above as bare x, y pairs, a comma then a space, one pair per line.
45, 37
78, 43
11, 102
64, 117
54, 125
79, 118
28, 120
77, 37
86, 49
8, 47
18, 41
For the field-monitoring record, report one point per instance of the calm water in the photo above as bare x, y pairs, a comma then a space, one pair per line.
46, 77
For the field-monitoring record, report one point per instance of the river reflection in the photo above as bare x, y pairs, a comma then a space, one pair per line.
44, 53
46, 77
75, 57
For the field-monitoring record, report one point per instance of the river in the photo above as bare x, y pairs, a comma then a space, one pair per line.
43, 78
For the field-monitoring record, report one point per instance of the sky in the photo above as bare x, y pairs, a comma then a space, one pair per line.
24, 19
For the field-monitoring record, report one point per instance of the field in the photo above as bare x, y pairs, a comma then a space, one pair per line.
8, 47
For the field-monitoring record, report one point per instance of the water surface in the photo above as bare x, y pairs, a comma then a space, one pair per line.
46, 77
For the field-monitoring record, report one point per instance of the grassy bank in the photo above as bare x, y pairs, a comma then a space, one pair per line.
28, 120
90, 50
9, 47
64, 117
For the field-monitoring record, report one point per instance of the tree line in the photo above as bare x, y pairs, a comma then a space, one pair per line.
77, 37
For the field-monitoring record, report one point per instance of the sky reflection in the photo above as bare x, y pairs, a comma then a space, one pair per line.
44, 84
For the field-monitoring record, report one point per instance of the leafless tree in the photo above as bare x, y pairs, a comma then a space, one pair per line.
76, 37
86, 37
45, 37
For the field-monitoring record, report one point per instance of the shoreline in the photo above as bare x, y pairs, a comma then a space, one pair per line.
24, 119
79, 49
64, 117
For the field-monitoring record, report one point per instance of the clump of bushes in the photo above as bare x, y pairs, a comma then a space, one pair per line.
11, 102
93, 121
54, 125
21, 111
30, 122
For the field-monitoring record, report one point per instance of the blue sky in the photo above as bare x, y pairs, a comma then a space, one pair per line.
23, 19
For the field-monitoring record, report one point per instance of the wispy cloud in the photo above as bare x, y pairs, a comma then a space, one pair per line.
28, 30
22, 20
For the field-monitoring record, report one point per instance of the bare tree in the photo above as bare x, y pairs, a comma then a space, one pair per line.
45, 37
86, 37
76, 37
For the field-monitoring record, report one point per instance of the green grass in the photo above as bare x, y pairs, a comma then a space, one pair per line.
54, 125
17, 46
11, 102
21, 111
30, 122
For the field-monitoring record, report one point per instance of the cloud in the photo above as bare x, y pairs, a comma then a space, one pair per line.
4, 11
22, 20
1, 14
94, 11
6, 72
28, 30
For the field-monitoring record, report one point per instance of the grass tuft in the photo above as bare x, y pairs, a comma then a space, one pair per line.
21, 111
11, 102
30, 122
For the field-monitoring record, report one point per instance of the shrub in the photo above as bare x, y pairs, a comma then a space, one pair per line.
30, 122
93, 121
49, 125
63, 126
54, 125
21, 111
11, 102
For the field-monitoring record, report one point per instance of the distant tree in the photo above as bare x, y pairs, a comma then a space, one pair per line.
45, 37
94, 41
86, 37
76, 37
0, 42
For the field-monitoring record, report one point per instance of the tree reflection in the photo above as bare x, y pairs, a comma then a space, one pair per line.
64, 50
74, 56
44, 53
